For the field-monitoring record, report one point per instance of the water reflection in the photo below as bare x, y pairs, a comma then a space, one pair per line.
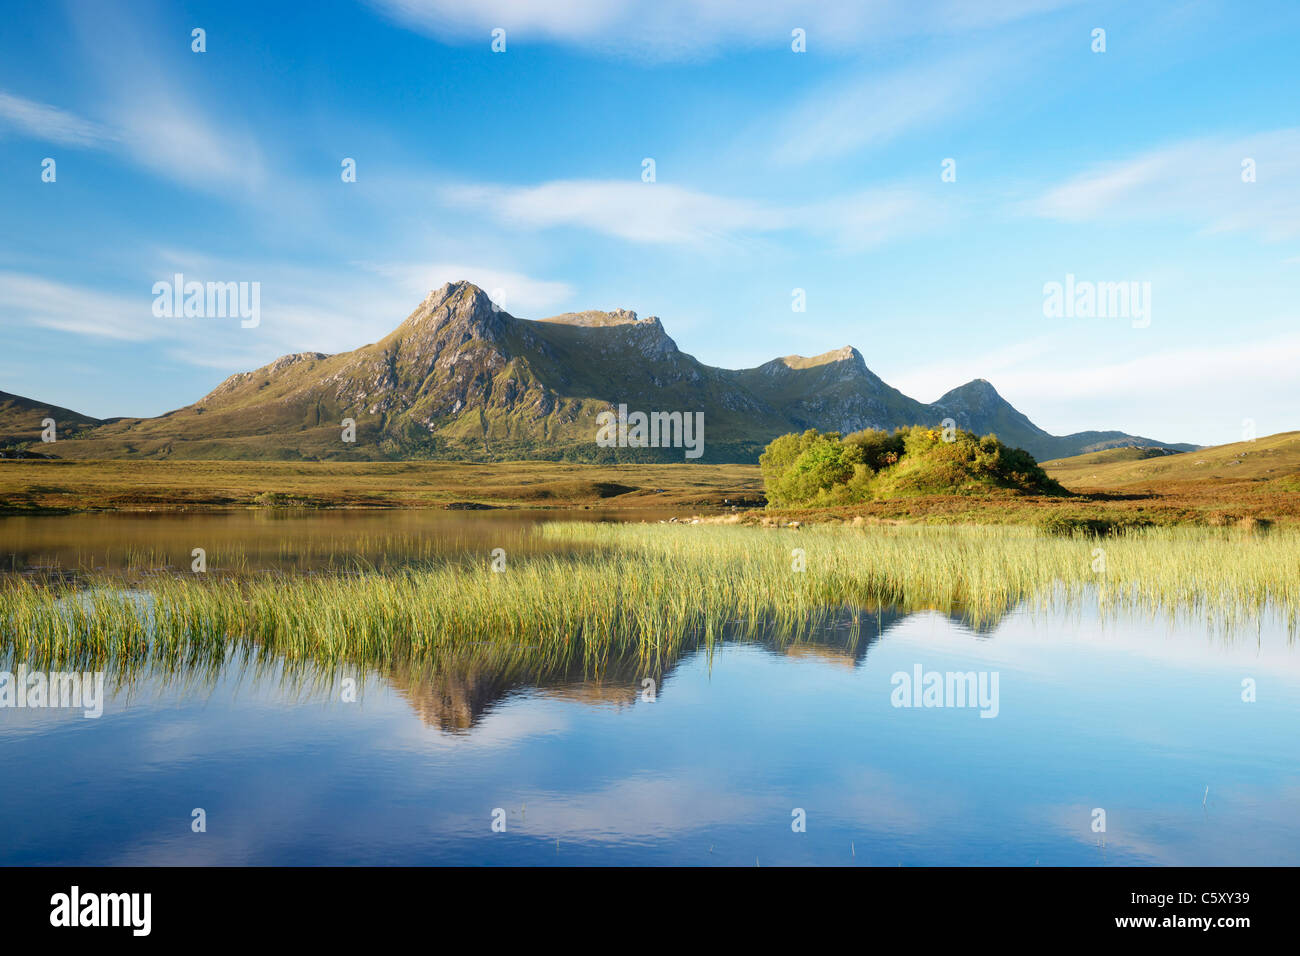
1134, 715
244, 542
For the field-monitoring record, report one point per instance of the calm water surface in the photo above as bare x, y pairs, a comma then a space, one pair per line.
1134, 716
262, 540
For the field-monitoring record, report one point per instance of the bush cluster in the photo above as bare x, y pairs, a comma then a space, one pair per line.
826, 468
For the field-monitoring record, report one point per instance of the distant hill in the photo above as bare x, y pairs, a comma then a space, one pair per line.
1275, 457
460, 379
978, 407
1123, 453
21, 418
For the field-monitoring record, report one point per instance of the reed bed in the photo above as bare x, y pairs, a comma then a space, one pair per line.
592, 593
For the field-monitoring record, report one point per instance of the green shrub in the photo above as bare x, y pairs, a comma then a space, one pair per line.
823, 467
815, 468
879, 448
782, 452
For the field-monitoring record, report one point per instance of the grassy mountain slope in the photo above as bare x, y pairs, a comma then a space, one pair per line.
1275, 458
460, 379
20, 420
834, 391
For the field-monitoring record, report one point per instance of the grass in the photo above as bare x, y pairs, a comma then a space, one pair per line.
608, 592
30, 486
1265, 459
1198, 506
1115, 491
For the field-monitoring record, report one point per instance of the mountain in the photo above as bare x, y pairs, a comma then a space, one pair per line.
459, 378
1269, 462
978, 407
22, 422
833, 391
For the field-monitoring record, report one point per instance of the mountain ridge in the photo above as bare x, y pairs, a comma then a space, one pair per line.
461, 378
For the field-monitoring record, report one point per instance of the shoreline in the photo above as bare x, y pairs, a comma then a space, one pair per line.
61, 487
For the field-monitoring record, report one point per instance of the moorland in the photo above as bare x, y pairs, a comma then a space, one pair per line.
1257, 481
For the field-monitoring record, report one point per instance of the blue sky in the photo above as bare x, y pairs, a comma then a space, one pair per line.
775, 171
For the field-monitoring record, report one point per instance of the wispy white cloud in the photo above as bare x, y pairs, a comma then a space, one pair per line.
643, 212
34, 301
157, 130
51, 124
867, 111
666, 213
168, 136
1198, 182
675, 29
302, 309
146, 108
872, 217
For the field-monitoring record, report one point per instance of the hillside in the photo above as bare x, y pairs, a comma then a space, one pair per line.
20, 421
461, 379
1275, 458
1123, 453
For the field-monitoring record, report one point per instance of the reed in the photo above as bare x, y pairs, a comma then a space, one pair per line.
591, 593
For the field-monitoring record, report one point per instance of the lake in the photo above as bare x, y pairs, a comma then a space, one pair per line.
267, 540
1083, 739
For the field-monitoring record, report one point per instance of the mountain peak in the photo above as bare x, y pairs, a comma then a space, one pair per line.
456, 294
846, 354
976, 396
978, 406
976, 388
620, 328
455, 304
594, 319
